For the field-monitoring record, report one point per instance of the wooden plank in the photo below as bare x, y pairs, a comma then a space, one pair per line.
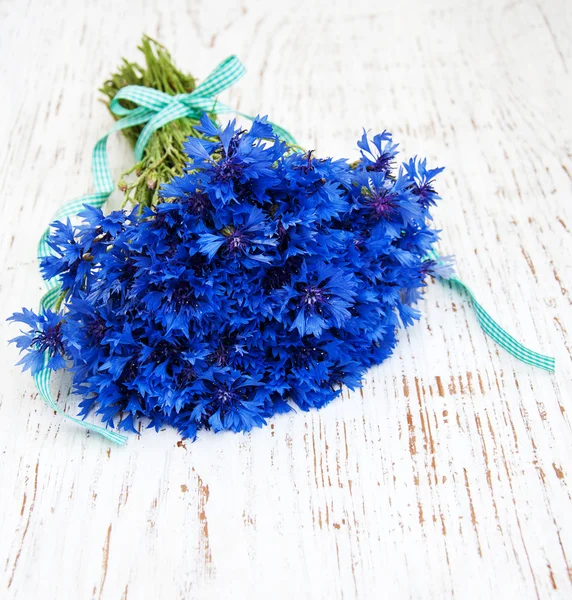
447, 474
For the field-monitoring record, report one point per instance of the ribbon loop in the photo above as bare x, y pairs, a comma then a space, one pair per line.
228, 72
144, 97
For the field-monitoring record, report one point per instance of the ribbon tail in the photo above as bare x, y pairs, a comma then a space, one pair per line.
42, 380
497, 333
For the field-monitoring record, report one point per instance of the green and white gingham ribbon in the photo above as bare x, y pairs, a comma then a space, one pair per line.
155, 109
497, 333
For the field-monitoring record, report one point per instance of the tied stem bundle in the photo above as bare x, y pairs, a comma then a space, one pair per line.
164, 156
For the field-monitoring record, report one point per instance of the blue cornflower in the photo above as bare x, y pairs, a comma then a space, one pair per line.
230, 403
248, 237
422, 181
388, 200
70, 261
96, 225
321, 299
239, 161
44, 338
379, 154
443, 267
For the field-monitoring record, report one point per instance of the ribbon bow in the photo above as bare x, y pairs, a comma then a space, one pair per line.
156, 108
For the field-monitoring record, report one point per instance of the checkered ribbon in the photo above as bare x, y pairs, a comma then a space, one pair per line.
155, 109
497, 333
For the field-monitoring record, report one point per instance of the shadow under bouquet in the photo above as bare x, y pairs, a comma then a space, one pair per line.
244, 276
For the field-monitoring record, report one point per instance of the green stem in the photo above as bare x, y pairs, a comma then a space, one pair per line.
60, 300
164, 156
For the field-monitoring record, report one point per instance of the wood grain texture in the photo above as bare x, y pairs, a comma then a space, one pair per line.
449, 473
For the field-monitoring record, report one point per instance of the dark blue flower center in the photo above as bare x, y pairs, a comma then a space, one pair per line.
186, 376
182, 295
306, 168
224, 395
277, 277
162, 352
130, 371
303, 355
228, 169
424, 193
49, 340
237, 241
96, 330
196, 203
313, 296
382, 163
383, 204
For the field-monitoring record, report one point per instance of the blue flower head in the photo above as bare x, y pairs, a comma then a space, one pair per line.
42, 339
377, 155
422, 181
230, 162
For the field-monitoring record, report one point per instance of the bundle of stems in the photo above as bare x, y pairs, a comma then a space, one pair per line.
164, 156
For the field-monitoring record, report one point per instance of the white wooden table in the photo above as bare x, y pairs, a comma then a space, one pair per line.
448, 473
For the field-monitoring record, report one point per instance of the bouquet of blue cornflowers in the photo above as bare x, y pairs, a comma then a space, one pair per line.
248, 278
